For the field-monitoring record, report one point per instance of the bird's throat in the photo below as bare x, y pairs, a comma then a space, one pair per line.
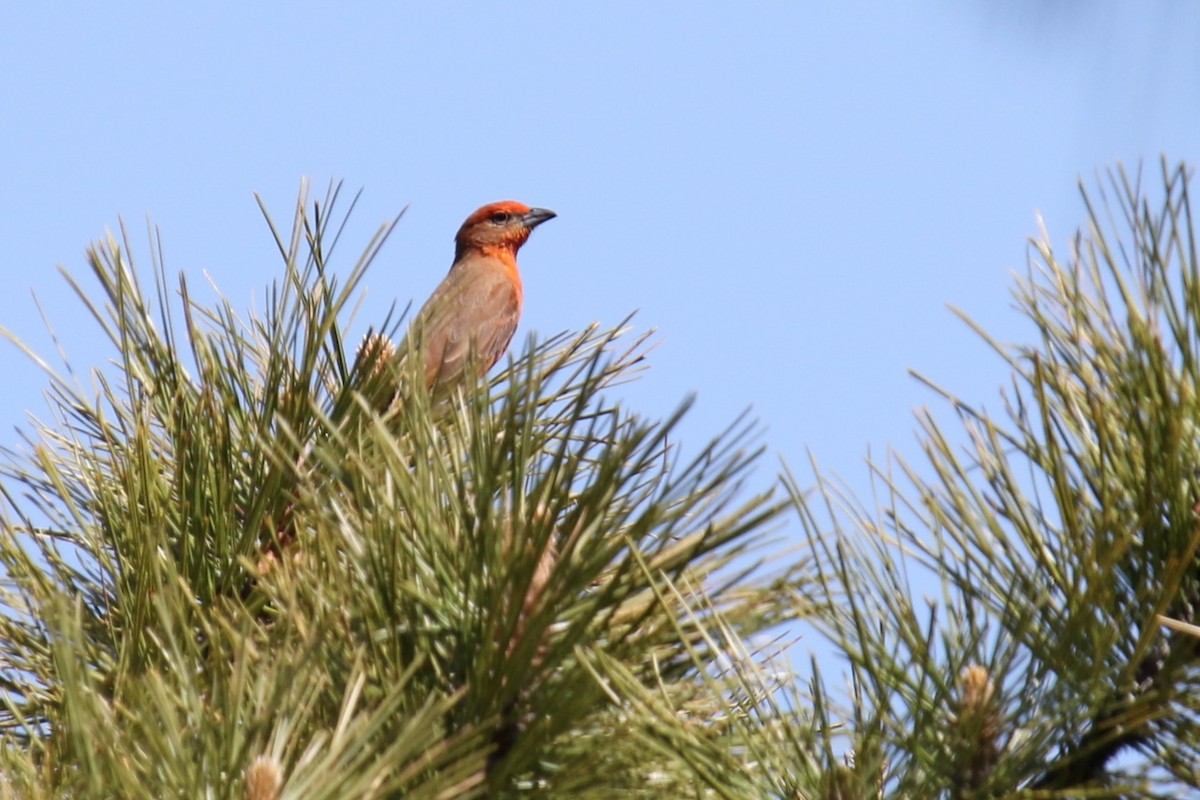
505, 256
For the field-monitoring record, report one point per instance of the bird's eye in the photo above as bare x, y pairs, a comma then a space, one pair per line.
500, 217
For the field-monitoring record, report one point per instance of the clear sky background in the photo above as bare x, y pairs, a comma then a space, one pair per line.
790, 192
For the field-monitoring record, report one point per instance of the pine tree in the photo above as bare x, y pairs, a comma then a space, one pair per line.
1061, 534
229, 575
232, 570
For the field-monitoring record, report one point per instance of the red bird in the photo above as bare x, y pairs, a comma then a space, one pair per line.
474, 312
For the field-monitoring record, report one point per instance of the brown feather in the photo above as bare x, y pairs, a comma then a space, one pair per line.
476, 308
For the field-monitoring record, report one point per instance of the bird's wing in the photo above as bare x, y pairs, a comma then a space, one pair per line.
494, 338
482, 314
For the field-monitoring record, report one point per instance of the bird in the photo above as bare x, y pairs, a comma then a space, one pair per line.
468, 322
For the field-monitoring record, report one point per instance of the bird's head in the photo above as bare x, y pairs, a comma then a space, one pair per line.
504, 225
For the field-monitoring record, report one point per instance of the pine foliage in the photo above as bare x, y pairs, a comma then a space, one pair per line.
245, 561
227, 574
1002, 608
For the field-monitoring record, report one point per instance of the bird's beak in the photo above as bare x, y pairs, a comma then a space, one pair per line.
536, 216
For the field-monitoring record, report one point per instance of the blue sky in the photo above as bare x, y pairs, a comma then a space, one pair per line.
790, 193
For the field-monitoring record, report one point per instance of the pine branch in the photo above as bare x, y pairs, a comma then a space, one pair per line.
232, 571
1125, 720
1059, 532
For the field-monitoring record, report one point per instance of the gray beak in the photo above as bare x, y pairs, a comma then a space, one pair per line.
536, 216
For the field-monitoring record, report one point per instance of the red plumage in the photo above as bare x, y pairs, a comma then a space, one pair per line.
476, 308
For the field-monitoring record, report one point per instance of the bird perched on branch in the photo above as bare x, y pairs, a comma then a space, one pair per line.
470, 318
